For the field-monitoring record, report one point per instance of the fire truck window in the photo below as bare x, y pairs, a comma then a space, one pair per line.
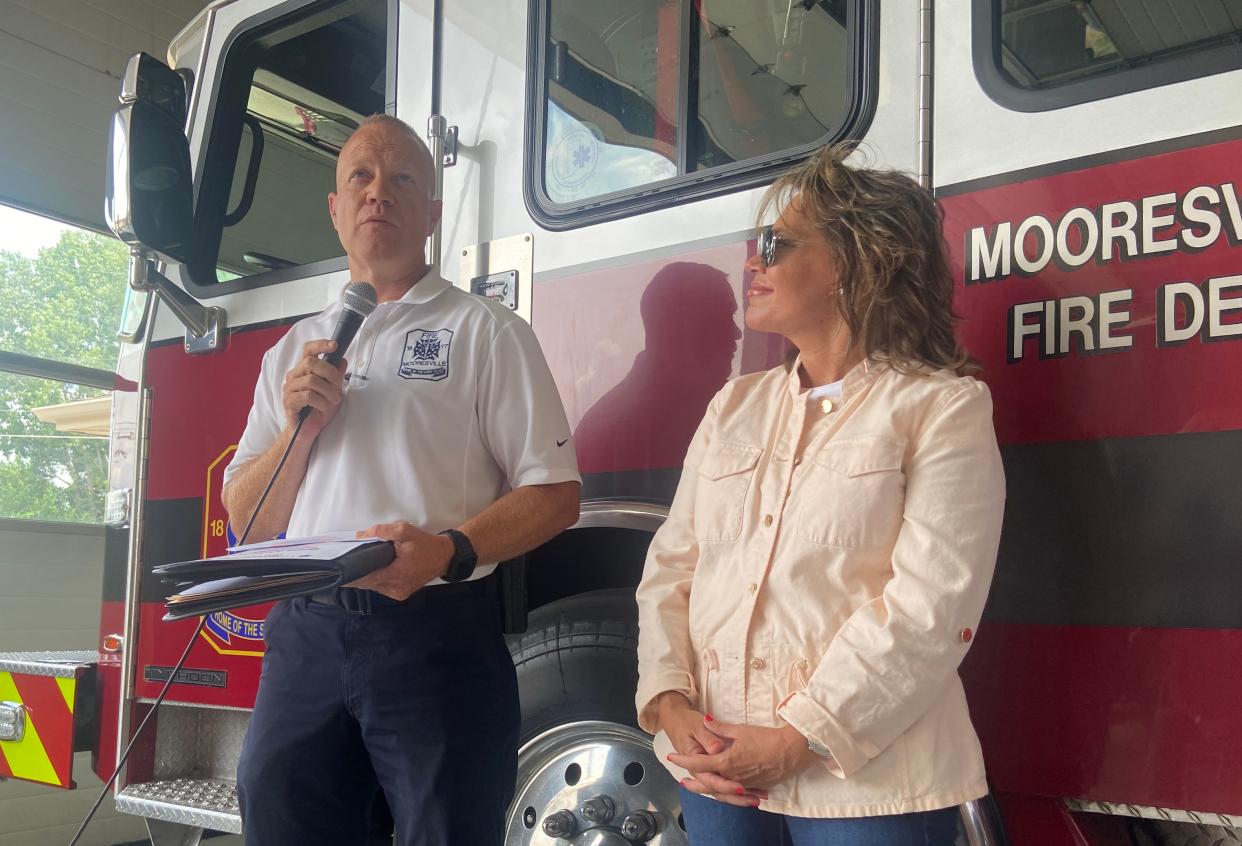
1045, 45
644, 91
298, 92
613, 80
772, 76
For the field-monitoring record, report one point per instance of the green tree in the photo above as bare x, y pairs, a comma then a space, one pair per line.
65, 305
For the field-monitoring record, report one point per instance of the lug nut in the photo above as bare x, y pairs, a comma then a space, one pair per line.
639, 827
599, 810
561, 824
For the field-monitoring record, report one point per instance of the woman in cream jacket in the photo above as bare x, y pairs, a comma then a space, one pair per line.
805, 607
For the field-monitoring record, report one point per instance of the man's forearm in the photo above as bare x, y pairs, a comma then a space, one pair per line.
241, 494
522, 519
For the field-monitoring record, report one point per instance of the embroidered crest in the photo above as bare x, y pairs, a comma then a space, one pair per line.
426, 354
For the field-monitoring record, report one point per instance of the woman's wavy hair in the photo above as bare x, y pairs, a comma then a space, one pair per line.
892, 262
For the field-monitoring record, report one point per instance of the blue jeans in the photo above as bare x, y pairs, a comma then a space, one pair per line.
712, 823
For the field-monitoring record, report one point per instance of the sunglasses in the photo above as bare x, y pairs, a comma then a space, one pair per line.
767, 242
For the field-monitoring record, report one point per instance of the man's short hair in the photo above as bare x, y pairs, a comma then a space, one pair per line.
397, 125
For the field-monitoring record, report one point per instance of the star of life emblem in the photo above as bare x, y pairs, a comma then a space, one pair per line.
426, 354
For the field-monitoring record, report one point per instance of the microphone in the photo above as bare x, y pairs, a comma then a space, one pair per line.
357, 303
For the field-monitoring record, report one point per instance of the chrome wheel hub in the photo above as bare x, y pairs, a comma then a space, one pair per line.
593, 784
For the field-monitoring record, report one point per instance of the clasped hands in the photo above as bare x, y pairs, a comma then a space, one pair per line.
420, 557
733, 763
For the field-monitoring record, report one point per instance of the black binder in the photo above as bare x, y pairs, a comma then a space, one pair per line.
207, 585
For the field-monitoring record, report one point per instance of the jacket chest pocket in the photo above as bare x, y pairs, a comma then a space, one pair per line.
852, 494
724, 478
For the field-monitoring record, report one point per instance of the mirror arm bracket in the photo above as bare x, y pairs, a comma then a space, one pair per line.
205, 325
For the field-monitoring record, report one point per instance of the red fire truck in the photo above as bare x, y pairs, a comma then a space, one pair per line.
600, 165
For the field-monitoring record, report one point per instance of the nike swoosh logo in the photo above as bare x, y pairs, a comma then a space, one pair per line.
562, 443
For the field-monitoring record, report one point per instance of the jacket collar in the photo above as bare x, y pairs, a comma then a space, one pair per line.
856, 378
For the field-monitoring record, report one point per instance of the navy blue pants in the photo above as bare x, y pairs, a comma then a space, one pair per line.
419, 697
713, 823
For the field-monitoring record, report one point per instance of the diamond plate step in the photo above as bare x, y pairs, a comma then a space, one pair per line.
64, 665
195, 802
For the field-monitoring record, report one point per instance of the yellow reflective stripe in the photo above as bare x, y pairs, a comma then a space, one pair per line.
26, 758
211, 641
67, 688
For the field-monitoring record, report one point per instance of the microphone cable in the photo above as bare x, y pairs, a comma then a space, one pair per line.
129, 748
280, 465
202, 621
357, 302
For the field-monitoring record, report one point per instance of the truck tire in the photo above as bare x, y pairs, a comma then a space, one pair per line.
583, 764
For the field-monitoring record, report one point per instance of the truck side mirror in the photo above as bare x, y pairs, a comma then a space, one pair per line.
150, 203
150, 200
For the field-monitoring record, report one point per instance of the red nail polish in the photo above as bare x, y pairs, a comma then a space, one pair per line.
710, 718
740, 791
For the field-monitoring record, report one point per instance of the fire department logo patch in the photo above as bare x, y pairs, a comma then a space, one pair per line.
426, 354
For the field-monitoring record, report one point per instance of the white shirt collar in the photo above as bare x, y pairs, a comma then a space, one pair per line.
430, 285
426, 289
861, 374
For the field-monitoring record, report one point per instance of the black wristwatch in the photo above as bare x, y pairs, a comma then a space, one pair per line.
461, 565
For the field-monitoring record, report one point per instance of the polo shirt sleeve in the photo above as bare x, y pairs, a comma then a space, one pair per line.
520, 412
266, 417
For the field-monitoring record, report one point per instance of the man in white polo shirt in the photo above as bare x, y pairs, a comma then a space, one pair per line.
443, 432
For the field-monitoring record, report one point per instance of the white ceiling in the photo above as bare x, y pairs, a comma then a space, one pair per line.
61, 63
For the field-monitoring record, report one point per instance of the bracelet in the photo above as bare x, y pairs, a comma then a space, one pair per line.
818, 748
